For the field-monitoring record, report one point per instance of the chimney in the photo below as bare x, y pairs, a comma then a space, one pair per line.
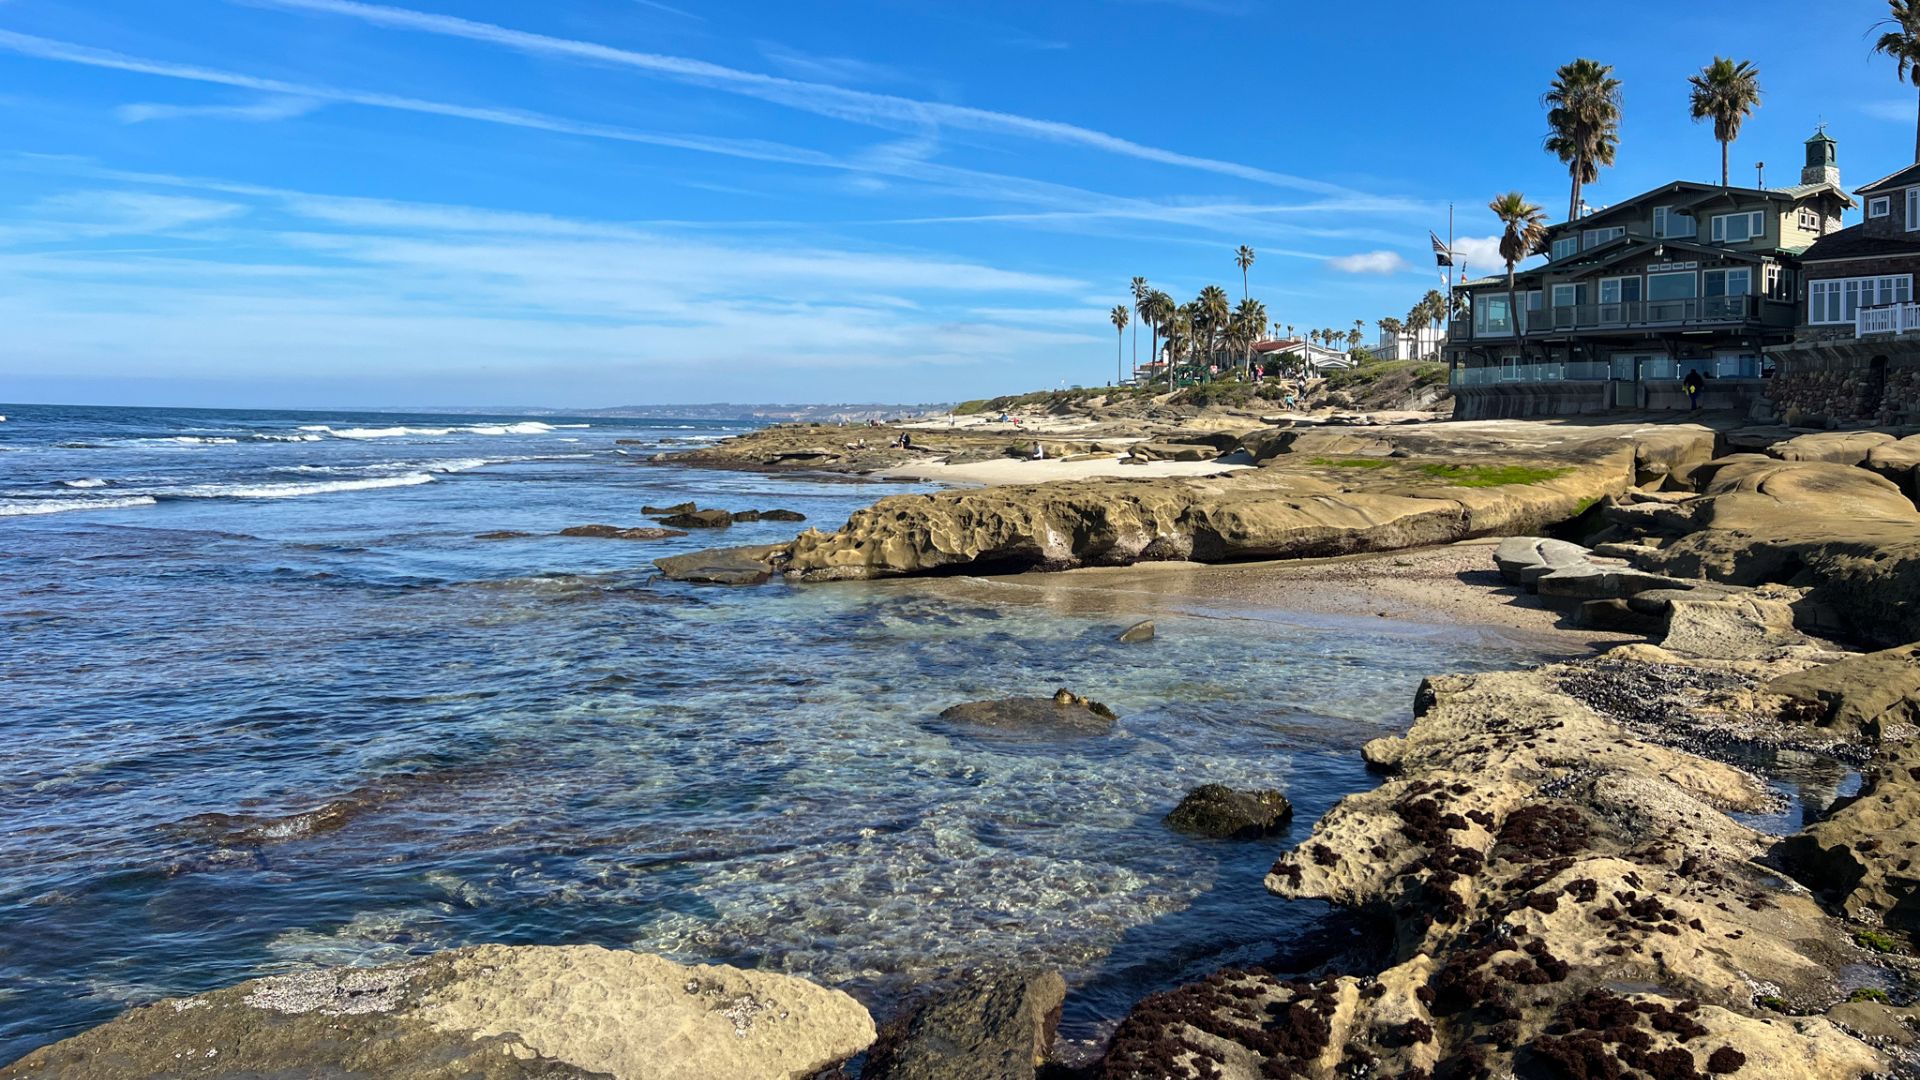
1822, 164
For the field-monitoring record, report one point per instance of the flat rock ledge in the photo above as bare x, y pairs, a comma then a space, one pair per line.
1562, 891
489, 1012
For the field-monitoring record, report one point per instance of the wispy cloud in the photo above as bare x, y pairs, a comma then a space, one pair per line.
670, 9
828, 69
266, 109
1371, 262
84, 215
858, 106
1892, 109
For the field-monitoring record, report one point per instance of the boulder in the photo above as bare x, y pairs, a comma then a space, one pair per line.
615, 532
489, 1012
1523, 559
1220, 812
1860, 857
1065, 712
1137, 633
996, 1026
699, 519
1868, 694
665, 511
1839, 447
1898, 462
781, 515
1569, 586
723, 566
1171, 451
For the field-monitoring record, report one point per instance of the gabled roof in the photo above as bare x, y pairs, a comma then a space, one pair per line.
1853, 242
1904, 178
1687, 193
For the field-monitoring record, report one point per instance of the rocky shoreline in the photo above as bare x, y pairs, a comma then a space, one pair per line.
1562, 873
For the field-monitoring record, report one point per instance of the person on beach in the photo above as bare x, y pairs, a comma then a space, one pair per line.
1693, 385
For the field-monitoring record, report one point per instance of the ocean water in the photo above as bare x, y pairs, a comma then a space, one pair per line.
266, 703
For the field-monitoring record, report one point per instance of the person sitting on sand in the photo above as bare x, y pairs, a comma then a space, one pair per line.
1039, 451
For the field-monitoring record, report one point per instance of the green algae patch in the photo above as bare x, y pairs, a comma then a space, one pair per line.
1875, 941
1492, 475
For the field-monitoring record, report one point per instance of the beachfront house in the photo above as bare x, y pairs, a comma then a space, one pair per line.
1855, 356
1421, 344
1318, 358
1634, 296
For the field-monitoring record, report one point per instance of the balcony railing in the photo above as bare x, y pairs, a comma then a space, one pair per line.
1620, 369
1637, 314
1887, 319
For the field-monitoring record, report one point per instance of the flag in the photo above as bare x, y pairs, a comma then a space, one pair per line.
1441, 255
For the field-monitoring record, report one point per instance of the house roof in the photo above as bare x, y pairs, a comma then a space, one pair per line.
1689, 193
1853, 242
1904, 178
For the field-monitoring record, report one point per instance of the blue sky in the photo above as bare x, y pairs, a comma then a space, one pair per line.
603, 202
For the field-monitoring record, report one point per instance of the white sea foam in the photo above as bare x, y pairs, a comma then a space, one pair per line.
388, 468
191, 440
303, 436
290, 491
55, 506
88, 482
527, 427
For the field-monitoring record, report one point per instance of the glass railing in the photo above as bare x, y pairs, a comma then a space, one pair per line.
1645, 369
1567, 317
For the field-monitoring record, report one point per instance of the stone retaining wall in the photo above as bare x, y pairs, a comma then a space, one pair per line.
1507, 400
1870, 381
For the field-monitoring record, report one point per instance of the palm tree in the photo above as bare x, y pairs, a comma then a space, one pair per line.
1214, 308
1119, 318
1390, 328
1243, 258
1726, 93
1526, 230
1186, 326
1583, 122
1902, 43
1417, 322
1158, 311
1250, 318
1139, 290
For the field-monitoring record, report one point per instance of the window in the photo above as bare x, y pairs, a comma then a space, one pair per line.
1592, 238
1490, 315
1569, 295
1838, 300
1681, 286
1879, 207
1565, 247
1738, 228
1734, 282
1669, 225
1620, 290
1913, 208
1810, 219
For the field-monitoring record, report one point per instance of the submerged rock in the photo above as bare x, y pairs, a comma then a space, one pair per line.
615, 532
990, 1027
699, 519
490, 1012
1064, 711
1218, 811
502, 534
1137, 633
663, 511
722, 566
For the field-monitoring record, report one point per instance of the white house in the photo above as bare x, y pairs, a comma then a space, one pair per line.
1407, 345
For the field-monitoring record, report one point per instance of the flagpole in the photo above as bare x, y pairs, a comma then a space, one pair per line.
1449, 319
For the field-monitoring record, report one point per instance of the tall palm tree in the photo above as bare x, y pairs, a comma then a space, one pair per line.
1901, 41
1417, 322
1139, 290
1185, 326
1583, 122
1526, 231
1250, 317
1726, 93
1214, 309
1243, 258
1118, 316
1390, 328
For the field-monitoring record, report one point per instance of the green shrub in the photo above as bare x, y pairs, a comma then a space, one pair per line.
1867, 993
